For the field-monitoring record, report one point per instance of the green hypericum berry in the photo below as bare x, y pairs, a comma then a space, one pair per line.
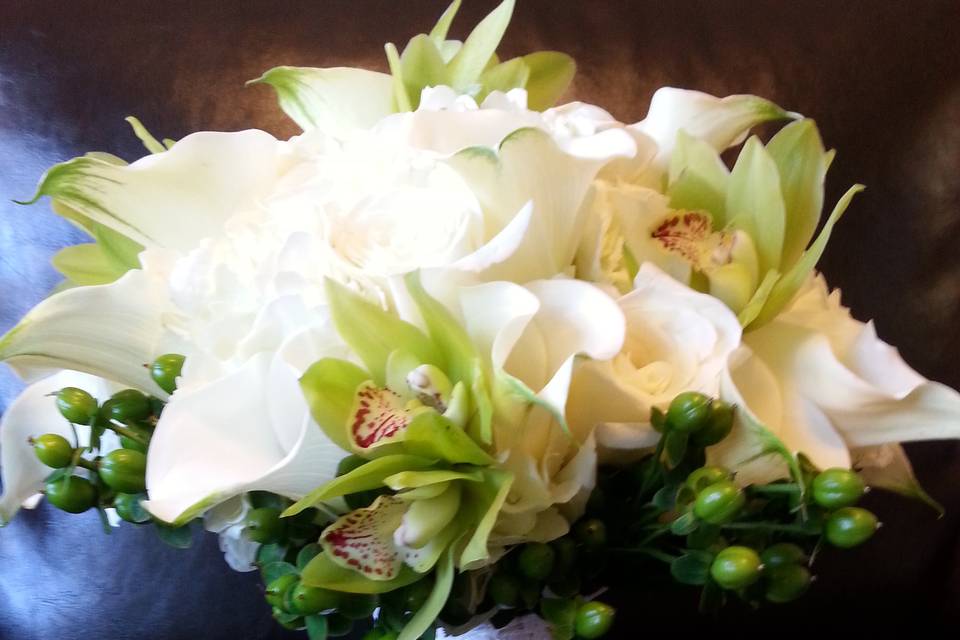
591, 533
504, 589
128, 405
850, 526
593, 620
307, 600
53, 450
72, 494
736, 567
134, 445
277, 590
565, 586
536, 560
718, 426
559, 612
565, 554
129, 509
688, 412
338, 625
265, 526
782, 554
76, 405
838, 487
165, 371
124, 470
703, 477
357, 606
719, 503
786, 583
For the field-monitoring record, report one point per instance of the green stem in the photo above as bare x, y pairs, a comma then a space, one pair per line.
648, 482
662, 530
647, 551
86, 464
775, 488
770, 526
129, 433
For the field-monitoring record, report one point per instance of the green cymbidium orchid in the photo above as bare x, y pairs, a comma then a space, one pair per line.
420, 414
744, 235
342, 98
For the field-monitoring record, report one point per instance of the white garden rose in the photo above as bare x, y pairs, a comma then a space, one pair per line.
823, 384
676, 340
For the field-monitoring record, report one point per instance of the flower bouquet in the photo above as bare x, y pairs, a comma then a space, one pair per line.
456, 360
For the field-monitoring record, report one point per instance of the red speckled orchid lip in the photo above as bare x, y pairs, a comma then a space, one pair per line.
690, 235
362, 540
380, 415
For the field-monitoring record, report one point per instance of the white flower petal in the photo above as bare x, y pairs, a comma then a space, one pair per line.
108, 330
31, 414
172, 199
721, 122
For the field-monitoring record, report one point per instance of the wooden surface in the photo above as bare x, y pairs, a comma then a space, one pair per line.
880, 77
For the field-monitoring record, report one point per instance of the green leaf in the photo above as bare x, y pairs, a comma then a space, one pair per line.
550, 74
145, 137
365, 477
802, 163
177, 537
698, 178
422, 66
374, 333
505, 76
440, 30
316, 627
430, 435
787, 287
324, 573
482, 502
692, 567
86, 264
684, 525
424, 618
336, 98
665, 498
467, 65
274, 570
754, 202
330, 388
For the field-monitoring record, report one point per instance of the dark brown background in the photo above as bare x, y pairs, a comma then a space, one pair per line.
880, 77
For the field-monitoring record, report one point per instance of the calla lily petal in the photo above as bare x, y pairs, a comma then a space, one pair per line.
34, 413
109, 330
722, 122
175, 198
334, 99
207, 447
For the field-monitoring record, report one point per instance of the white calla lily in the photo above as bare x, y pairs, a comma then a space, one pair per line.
175, 198
721, 122
823, 383
32, 414
250, 430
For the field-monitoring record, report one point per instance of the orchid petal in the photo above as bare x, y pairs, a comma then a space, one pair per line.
755, 203
175, 198
698, 178
334, 99
472, 58
551, 73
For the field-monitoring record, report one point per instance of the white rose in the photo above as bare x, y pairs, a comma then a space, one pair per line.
676, 340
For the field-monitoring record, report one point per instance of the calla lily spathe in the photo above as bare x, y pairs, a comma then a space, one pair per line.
823, 383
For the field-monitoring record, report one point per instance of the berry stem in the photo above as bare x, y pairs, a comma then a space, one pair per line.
647, 551
86, 464
770, 526
128, 433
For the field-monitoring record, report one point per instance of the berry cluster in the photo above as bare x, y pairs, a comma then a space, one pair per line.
83, 478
